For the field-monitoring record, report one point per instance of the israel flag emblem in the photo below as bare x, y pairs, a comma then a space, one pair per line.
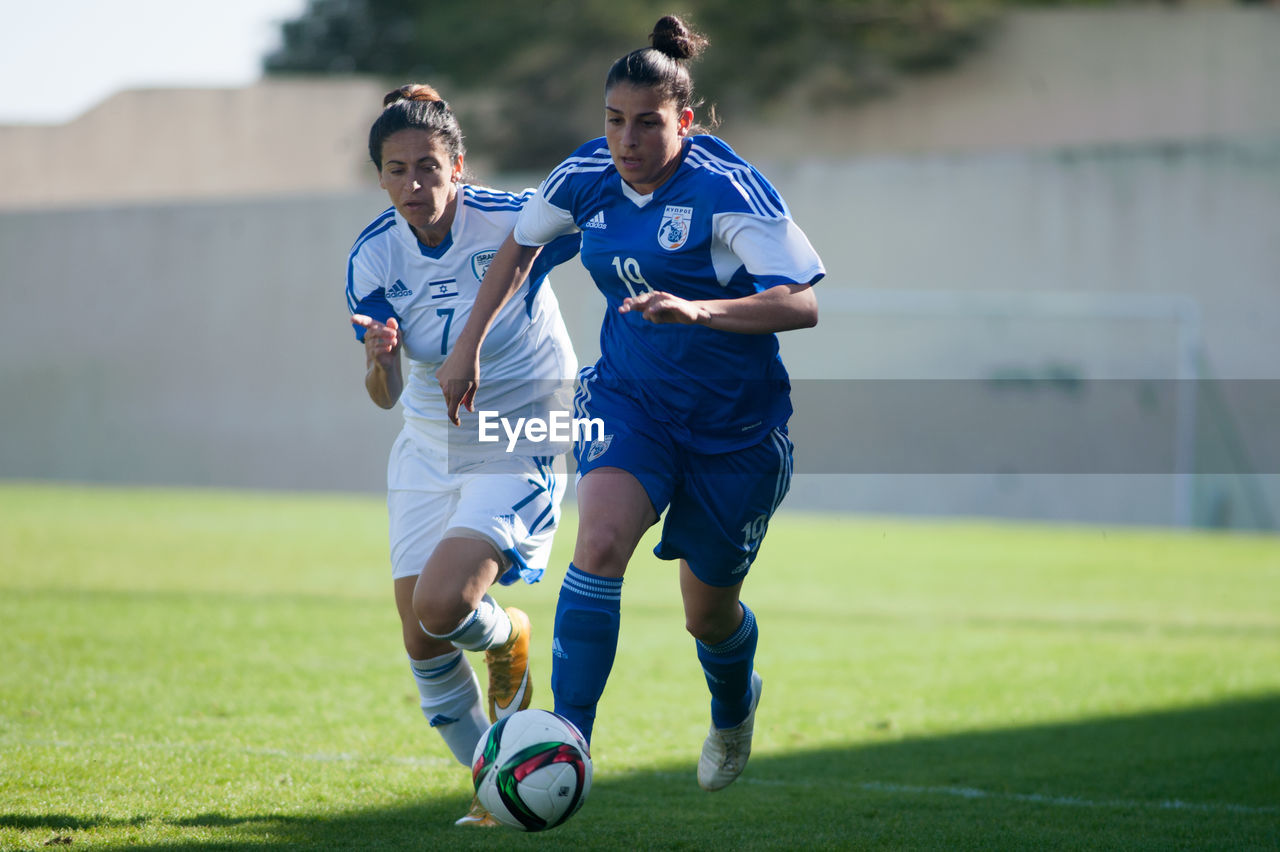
443, 289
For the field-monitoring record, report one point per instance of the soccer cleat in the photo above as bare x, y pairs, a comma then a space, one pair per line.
508, 664
725, 752
477, 817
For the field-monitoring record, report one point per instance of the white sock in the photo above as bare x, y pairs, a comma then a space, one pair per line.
451, 701
486, 627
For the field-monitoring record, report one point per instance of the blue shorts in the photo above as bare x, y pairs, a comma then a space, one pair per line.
717, 505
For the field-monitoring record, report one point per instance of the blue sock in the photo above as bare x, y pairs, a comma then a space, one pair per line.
586, 639
727, 667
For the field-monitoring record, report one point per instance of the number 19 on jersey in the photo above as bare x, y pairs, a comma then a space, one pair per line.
628, 270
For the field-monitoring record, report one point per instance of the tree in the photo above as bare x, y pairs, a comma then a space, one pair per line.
528, 77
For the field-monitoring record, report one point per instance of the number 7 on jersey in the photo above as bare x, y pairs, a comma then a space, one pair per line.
447, 313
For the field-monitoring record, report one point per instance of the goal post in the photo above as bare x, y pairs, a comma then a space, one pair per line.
1006, 383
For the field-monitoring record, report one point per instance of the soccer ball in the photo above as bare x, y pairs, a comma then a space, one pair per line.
532, 770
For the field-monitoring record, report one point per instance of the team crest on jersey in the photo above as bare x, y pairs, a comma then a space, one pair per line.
599, 448
480, 262
674, 230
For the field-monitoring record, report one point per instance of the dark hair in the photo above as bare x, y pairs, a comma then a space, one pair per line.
415, 106
664, 65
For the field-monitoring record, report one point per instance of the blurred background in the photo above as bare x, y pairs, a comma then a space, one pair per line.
1051, 230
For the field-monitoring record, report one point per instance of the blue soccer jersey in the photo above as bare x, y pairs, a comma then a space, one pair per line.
716, 229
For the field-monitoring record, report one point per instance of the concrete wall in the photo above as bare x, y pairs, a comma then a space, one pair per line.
206, 342
1097, 233
203, 344
150, 145
1050, 78
1046, 79
1193, 220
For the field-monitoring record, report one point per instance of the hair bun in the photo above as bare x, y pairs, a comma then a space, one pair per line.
411, 92
672, 37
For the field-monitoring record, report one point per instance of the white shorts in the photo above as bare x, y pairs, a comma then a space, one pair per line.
511, 501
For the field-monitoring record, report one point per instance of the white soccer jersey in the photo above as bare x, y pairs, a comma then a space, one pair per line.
527, 362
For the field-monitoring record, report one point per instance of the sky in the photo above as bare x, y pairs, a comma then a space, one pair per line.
60, 57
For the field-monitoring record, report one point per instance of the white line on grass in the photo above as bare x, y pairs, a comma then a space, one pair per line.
1071, 801
279, 753
868, 786
343, 757
1038, 798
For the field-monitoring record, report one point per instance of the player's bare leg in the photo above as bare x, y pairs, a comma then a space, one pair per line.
726, 633
451, 605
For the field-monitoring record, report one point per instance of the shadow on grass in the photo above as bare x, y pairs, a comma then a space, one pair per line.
1199, 778
64, 822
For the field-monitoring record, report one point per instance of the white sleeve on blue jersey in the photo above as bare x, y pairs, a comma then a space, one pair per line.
541, 222
773, 249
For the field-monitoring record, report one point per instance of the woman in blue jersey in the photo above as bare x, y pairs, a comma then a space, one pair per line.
464, 514
700, 264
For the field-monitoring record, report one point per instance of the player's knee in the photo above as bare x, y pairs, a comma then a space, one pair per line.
710, 627
436, 615
417, 644
602, 550
698, 628
713, 624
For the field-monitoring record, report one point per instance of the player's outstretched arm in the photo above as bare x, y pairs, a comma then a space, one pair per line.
459, 375
781, 308
383, 378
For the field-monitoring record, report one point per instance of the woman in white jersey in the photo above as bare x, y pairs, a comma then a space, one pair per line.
464, 514
700, 264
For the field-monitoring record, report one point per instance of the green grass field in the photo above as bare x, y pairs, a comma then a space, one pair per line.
218, 670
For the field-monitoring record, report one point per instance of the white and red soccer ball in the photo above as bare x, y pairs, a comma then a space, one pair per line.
532, 770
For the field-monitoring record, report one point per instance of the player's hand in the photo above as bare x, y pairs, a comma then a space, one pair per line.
459, 377
381, 340
659, 307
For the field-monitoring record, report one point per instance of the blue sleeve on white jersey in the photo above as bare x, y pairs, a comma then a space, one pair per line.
375, 306
555, 253
365, 293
